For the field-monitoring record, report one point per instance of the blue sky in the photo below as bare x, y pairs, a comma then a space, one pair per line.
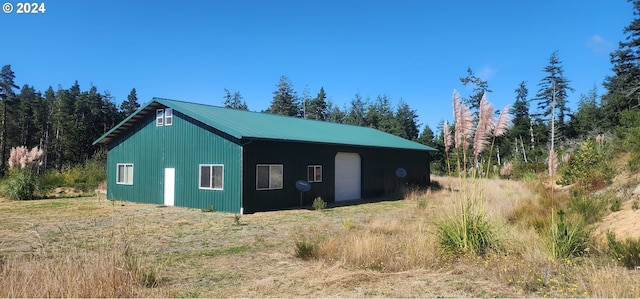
407, 49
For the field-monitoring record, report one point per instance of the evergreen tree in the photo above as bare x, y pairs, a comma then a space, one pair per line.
480, 87
623, 88
26, 116
234, 101
554, 87
356, 114
406, 120
130, 105
48, 109
520, 132
427, 136
317, 107
588, 118
285, 100
63, 126
7, 95
335, 114
380, 115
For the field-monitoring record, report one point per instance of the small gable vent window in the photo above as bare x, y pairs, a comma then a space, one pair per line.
164, 117
168, 117
159, 117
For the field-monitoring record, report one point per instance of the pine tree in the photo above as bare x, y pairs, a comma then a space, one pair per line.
25, 114
406, 120
480, 88
7, 95
317, 107
130, 105
554, 87
380, 115
335, 114
234, 101
356, 114
623, 88
285, 100
46, 133
520, 132
427, 136
588, 118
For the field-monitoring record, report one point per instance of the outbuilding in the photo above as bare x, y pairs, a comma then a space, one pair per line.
193, 155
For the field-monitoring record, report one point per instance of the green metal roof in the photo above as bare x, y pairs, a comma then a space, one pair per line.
256, 125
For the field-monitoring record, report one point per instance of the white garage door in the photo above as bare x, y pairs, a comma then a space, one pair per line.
347, 176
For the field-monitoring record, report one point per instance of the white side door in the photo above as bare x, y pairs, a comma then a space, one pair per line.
169, 186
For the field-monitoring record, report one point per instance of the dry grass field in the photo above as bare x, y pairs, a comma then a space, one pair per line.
91, 247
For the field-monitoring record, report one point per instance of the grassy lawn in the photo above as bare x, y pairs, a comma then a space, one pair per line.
90, 247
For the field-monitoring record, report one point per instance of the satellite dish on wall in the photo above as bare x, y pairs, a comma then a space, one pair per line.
401, 172
303, 186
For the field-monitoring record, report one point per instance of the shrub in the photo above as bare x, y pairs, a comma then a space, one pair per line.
590, 208
589, 167
469, 233
626, 252
84, 177
616, 204
319, 204
568, 237
526, 171
306, 250
21, 184
23, 180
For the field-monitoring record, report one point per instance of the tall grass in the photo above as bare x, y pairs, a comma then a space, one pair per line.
111, 266
387, 245
469, 230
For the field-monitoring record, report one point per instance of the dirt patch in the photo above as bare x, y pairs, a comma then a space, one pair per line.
66, 191
624, 223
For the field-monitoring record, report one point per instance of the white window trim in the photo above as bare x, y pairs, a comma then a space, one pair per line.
313, 179
200, 176
127, 180
168, 117
159, 117
270, 181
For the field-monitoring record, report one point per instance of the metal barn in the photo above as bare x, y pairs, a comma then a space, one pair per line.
198, 156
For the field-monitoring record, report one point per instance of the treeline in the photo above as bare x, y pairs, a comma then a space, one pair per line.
63, 122
379, 114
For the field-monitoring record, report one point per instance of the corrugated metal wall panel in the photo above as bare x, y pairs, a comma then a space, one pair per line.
183, 146
378, 171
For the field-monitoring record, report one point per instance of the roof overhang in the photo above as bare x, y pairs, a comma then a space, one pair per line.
127, 123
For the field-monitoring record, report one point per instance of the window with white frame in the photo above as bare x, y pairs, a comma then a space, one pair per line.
124, 174
168, 117
314, 174
164, 117
211, 176
159, 117
269, 177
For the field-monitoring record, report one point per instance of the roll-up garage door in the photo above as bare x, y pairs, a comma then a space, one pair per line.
348, 176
